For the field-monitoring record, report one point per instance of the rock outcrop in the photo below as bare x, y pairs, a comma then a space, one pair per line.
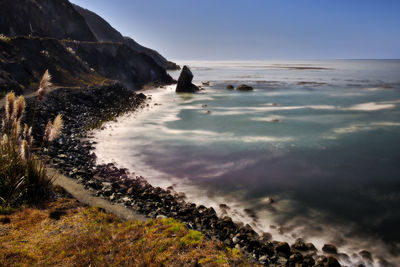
44, 18
185, 84
104, 32
24, 59
78, 50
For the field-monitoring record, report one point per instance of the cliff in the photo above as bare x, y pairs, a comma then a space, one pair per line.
78, 50
105, 32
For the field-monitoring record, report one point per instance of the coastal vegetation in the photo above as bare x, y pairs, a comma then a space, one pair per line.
23, 176
65, 233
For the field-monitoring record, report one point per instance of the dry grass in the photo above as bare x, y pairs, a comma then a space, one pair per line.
82, 236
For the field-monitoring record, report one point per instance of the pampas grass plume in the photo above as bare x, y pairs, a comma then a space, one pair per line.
20, 108
56, 128
10, 100
24, 150
44, 85
47, 131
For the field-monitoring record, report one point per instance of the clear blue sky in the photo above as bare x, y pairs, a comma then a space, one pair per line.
257, 29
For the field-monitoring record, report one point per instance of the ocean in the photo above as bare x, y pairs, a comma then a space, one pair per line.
318, 138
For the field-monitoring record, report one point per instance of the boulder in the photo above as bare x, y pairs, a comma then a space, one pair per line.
244, 87
185, 84
332, 262
328, 248
282, 248
230, 87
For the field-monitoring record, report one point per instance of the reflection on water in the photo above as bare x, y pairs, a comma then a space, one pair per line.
324, 150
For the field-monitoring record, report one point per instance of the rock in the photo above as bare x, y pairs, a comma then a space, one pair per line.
366, 255
126, 199
265, 236
185, 84
299, 245
244, 87
206, 83
310, 246
230, 87
328, 248
295, 258
161, 217
320, 260
263, 258
308, 260
267, 201
282, 248
332, 262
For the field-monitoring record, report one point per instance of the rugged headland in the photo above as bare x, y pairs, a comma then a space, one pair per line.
78, 47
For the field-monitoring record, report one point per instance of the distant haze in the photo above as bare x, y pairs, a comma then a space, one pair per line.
258, 29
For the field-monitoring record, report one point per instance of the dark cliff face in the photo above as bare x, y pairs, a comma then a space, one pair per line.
23, 60
43, 18
71, 46
71, 63
105, 32
117, 61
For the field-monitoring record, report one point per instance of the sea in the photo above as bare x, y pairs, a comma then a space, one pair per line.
313, 152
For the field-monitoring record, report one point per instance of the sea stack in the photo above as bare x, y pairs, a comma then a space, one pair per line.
185, 84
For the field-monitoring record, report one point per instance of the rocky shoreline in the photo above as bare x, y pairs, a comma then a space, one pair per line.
72, 154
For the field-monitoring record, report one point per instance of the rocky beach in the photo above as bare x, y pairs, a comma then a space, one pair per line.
87, 109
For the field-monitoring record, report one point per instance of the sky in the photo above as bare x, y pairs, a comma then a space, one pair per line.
258, 29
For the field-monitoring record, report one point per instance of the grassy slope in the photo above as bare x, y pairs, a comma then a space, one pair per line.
65, 233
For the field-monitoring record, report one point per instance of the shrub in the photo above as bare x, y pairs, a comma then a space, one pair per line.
23, 175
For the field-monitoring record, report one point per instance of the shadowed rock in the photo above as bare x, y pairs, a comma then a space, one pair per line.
244, 87
328, 248
185, 84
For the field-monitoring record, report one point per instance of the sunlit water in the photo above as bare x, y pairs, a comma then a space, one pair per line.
321, 138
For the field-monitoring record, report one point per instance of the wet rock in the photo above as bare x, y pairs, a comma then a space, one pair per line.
265, 237
267, 201
366, 255
343, 257
185, 84
300, 245
332, 262
308, 260
244, 87
230, 87
328, 248
282, 248
295, 258
321, 260
311, 247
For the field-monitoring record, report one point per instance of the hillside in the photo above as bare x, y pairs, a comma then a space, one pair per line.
105, 32
78, 50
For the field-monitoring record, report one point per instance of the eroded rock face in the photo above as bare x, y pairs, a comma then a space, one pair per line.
185, 84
